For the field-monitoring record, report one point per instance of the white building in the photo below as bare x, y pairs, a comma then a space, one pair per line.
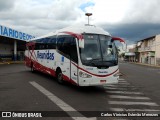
149, 50
130, 53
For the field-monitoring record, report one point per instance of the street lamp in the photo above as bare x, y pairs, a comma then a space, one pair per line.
88, 14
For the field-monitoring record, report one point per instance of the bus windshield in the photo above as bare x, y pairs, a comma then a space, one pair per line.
98, 50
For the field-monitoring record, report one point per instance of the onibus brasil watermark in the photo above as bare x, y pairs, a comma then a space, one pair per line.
21, 114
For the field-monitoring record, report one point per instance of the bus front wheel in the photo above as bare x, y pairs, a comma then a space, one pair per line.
60, 77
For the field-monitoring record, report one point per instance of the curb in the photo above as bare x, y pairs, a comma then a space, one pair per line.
11, 62
145, 64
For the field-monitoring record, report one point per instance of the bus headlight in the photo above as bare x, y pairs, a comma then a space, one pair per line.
84, 75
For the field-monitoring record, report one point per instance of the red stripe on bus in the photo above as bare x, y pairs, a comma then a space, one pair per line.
79, 36
94, 74
45, 70
119, 39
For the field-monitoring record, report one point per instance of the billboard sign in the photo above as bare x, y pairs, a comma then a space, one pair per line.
11, 33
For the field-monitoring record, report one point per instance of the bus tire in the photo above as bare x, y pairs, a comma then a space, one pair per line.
32, 68
60, 77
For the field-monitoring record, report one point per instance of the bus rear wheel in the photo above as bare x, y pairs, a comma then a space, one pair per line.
32, 68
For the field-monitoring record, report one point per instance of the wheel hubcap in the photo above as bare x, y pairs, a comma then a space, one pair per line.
60, 76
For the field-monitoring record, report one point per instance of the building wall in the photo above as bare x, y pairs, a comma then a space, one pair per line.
150, 51
148, 45
152, 60
6, 50
157, 53
143, 57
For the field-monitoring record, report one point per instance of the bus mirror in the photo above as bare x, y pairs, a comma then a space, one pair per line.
124, 45
110, 46
81, 43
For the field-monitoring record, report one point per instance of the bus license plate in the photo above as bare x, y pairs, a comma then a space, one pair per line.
103, 81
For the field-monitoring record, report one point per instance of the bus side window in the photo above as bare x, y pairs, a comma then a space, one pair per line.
30, 47
63, 46
73, 50
52, 43
60, 44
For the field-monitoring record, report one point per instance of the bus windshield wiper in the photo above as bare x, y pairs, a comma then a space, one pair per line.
111, 61
94, 59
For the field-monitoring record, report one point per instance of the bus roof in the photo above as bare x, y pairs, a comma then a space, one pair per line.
78, 29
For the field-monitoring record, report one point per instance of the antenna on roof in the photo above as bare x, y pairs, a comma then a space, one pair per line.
88, 14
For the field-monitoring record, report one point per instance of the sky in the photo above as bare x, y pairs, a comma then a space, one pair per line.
132, 20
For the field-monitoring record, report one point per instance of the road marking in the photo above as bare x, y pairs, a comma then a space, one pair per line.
123, 83
125, 92
111, 88
132, 103
110, 85
64, 106
123, 109
129, 97
119, 86
121, 80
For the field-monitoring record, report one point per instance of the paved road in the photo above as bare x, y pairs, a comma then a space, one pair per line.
21, 90
146, 78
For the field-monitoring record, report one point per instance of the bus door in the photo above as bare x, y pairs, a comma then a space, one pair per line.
74, 61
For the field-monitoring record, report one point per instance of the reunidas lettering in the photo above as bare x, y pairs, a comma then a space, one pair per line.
45, 55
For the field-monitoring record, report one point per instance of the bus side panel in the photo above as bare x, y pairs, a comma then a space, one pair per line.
45, 61
49, 66
40, 61
27, 59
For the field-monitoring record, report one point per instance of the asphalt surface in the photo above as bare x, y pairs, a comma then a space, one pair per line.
146, 78
138, 89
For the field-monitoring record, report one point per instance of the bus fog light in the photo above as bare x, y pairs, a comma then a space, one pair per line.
84, 75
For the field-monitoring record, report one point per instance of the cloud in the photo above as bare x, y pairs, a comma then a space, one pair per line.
130, 19
108, 11
133, 32
142, 11
6, 5
43, 16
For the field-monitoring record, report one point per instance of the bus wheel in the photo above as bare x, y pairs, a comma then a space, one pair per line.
60, 77
32, 68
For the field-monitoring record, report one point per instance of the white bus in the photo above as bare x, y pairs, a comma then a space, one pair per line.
82, 55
